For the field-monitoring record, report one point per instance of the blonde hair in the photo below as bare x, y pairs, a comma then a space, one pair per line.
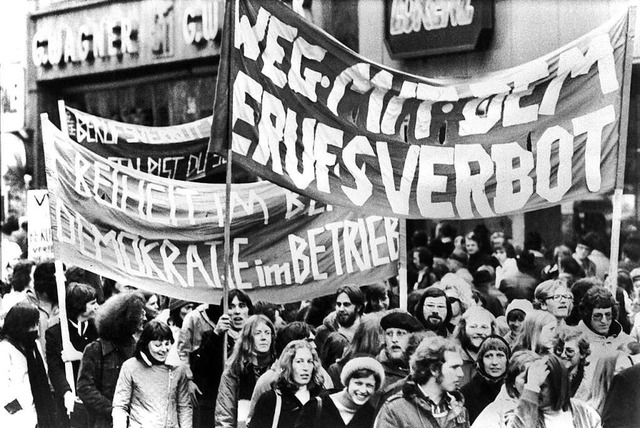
529, 336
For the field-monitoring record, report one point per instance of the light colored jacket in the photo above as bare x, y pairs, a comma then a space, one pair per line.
152, 396
15, 385
194, 325
495, 414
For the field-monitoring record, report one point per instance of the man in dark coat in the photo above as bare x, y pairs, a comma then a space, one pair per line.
622, 407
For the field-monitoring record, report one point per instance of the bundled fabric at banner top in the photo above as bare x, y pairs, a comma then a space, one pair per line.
303, 111
166, 236
178, 152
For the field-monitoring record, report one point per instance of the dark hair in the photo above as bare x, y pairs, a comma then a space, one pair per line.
447, 229
10, 225
267, 309
332, 349
493, 343
319, 308
570, 265
533, 241
624, 281
242, 298
77, 274
78, 295
21, 276
120, 317
431, 292
591, 240
424, 255
597, 298
429, 358
109, 288
153, 330
419, 238
44, 280
508, 249
559, 387
517, 364
632, 250
20, 318
297, 330
355, 295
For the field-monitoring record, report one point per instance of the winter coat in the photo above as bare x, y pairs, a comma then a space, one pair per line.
233, 388
410, 409
263, 413
478, 394
600, 346
153, 395
527, 413
329, 416
207, 365
97, 378
624, 394
15, 385
496, 413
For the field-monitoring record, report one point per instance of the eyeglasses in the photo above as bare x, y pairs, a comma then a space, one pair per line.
599, 316
558, 297
570, 352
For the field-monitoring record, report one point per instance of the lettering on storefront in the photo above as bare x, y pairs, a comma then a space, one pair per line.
201, 22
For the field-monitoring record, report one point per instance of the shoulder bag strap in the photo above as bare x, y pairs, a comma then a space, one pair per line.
318, 410
276, 413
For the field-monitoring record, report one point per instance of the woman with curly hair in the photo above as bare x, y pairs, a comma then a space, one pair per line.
118, 321
573, 349
150, 392
299, 381
253, 354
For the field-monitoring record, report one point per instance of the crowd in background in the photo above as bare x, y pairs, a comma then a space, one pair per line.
493, 336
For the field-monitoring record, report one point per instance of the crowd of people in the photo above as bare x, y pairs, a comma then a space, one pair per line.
492, 336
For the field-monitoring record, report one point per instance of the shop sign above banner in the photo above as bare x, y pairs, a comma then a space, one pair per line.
178, 152
305, 112
166, 236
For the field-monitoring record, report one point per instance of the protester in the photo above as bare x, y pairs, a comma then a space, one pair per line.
479, 251
20, 284
149, 392
599, 310
25, 394
441, 246
497, 413
253, 354
603, 374
505, 254
475, 326
298, 381
623, 394
394, 357
459, 295
553, 270
11, 251
515, 315
583, 249
486, 383
430, 398
555, 297
538, 333
151, 305
81, 303
433, 310
45, 297
379, 298
294, 331
368, 339
349, 307
423, 262
348, 407
483, 282
118, 320
546, 399
522, 283
207, 361
573, 349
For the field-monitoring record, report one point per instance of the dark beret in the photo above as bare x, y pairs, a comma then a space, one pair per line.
400, 320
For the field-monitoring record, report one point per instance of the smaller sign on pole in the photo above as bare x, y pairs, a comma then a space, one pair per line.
40, 239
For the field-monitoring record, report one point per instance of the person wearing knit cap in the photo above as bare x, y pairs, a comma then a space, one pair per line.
397, 327
430, 397
485, 385
515, 314
349, 407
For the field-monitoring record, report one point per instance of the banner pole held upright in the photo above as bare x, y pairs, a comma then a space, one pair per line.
402, 269
622, 153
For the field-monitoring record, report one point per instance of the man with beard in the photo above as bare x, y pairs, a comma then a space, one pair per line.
345, 319
397, 327
476, 324
434, 312
430, 398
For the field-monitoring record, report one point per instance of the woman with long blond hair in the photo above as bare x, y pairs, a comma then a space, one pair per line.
253, 354
299, 381
538, 333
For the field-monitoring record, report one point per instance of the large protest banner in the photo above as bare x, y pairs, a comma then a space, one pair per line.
178, 152
305, 112
166, 236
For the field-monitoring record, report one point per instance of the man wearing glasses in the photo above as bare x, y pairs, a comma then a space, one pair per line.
555, 297
598, 310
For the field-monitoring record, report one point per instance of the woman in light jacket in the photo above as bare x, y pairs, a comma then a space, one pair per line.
150, 393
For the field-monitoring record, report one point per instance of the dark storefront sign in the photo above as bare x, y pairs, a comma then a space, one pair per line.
416, 28
116, 36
